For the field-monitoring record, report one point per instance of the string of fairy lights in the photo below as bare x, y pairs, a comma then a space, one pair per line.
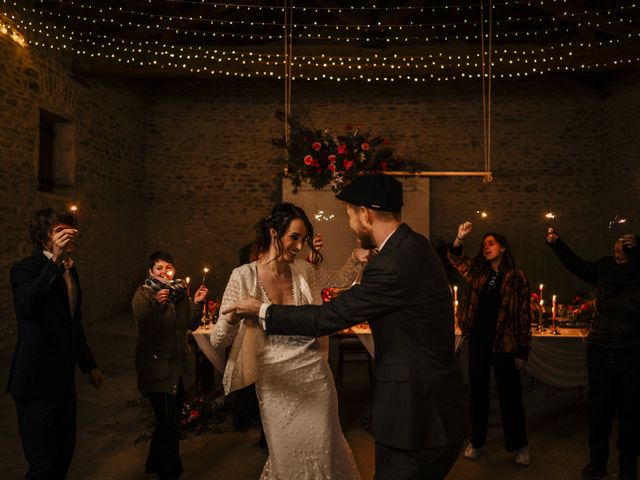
448, 59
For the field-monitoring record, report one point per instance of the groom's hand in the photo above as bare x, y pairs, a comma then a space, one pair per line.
247, 308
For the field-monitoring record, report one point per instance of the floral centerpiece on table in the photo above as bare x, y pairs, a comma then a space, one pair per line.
581, 309
324, 158
210, 312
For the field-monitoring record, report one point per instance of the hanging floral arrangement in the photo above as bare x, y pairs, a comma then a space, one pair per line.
324, 158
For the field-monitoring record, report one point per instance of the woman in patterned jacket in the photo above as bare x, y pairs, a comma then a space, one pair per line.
496, 318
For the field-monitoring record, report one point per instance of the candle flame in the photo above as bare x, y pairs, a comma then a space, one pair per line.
482, 213
550, 215
541, 302
73, 208
187, 280
541, 286
455, 288
553, 299
205, 269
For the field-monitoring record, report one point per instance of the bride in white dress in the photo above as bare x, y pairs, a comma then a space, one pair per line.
295, 388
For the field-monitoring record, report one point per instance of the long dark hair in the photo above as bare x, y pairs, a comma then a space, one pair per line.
508, 261
279, 219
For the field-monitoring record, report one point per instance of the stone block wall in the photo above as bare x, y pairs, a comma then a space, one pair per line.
188, 165
110, 169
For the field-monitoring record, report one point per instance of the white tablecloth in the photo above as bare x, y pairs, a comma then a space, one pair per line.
201, 336
559, 360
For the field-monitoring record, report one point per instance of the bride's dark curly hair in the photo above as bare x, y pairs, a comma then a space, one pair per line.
279, 220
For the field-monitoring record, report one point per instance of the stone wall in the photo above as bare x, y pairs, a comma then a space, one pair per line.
109, 174
187, 166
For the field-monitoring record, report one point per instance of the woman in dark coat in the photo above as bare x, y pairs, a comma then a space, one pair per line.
164, 362
496, 317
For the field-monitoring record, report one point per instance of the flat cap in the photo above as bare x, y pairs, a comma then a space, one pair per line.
376, 191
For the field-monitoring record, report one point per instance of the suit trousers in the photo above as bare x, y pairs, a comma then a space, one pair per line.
507, 376
48, 435
419, 464
614, 388
164, 451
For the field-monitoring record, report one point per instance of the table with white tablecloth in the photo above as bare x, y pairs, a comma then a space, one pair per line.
556, 360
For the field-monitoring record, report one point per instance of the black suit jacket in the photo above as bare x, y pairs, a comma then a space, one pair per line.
51, 339
405, 297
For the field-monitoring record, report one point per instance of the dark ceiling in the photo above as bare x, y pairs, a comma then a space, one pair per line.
415, 40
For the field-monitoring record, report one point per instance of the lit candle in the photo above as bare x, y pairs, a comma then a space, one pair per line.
204, 277
541, 288
187, 281
74, 211
455, 293
553, 308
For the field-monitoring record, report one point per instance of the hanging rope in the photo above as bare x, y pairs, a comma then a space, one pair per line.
486, 88
288, 61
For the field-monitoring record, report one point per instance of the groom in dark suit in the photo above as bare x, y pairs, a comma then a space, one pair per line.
47, 298
419, 419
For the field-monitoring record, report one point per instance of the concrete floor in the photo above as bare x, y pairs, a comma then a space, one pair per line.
108, 428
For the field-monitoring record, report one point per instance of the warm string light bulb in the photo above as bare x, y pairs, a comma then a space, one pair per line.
438, 66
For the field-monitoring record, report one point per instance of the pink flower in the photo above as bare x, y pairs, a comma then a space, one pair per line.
365, 146
316, 146
332, 167
342, 149
308, 160
347, 165
332, 158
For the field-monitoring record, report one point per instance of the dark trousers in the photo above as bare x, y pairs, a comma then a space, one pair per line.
420, 464
614, 387
164, 450
48, 434
507, 377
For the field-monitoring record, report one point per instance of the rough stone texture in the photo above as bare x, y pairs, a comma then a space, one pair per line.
110, 170
187, 166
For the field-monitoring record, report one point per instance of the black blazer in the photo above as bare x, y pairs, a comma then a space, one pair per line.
51, 339
405, 297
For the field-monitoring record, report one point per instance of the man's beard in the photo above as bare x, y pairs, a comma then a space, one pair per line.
366, 240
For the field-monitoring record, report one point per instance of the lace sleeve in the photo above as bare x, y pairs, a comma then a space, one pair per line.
334, 278
223, 334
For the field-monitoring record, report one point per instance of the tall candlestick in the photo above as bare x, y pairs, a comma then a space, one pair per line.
554, 329
455, 293
74, 211
541, 288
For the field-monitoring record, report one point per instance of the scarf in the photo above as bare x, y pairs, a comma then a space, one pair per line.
177, 288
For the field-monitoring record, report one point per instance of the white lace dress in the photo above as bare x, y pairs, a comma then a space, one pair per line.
296, 392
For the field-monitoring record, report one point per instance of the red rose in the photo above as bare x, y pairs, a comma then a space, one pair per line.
332, 167
332, 159
316, 146
365, 146
347, 165
308, 160
342, 149
386, 141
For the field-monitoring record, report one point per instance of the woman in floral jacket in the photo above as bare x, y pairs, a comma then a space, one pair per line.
496, 318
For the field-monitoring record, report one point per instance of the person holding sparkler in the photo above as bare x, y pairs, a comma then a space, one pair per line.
496, 317
51, 342
613, 351
163, 313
